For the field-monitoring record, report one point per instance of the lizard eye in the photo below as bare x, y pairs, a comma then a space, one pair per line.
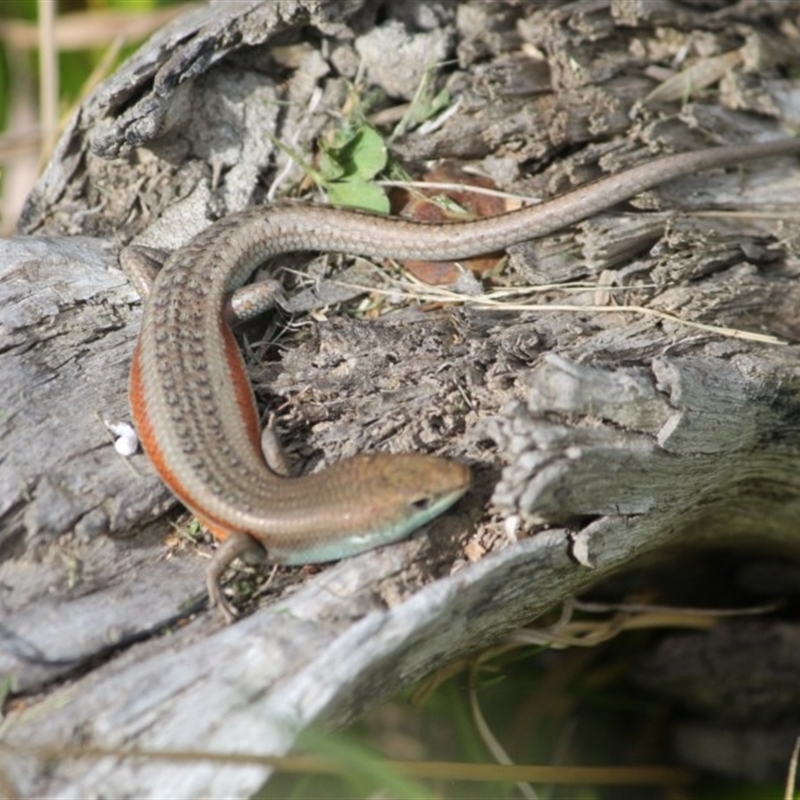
421, 503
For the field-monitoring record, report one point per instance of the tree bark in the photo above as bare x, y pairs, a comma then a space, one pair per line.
599, 436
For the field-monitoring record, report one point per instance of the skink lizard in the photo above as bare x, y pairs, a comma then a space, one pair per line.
193, 406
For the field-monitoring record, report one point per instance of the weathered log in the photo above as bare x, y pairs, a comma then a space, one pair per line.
604, 434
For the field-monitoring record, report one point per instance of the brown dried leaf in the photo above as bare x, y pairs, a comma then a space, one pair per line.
416, 205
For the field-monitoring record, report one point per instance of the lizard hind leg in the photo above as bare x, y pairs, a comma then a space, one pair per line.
234, 545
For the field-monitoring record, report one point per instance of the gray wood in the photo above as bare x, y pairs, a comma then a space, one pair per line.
602, 435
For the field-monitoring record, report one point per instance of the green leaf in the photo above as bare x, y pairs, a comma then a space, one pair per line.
353, 153
329, 165
365, 156
358, 194
424, 107
424, 104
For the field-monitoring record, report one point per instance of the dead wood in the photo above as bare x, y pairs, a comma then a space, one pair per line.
602, 435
